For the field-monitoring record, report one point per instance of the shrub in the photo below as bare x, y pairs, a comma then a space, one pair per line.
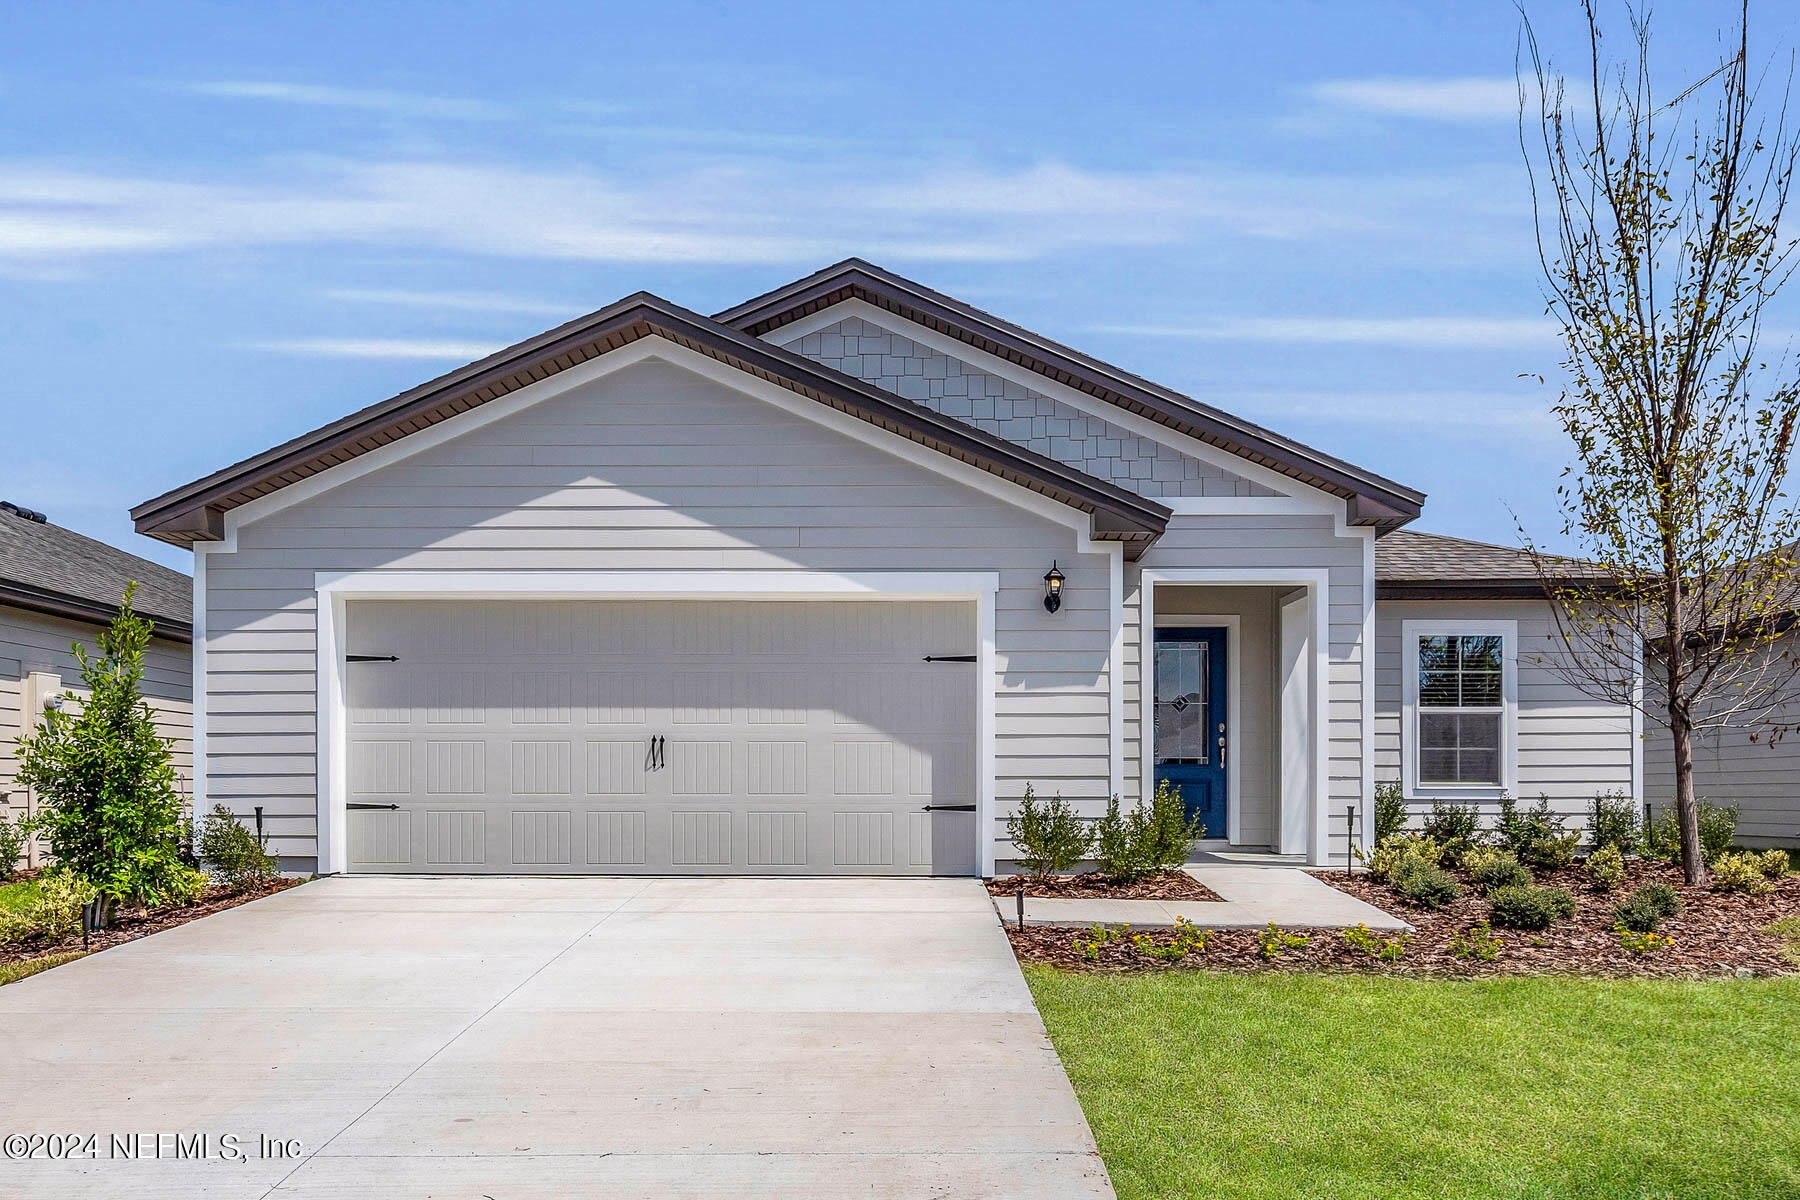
1718, 827
1361, 937
105, 778
1397, 849
1641, 941
1184, 940
1390, 811
1537, 838
1455, 827
1773, 863
1049, 836
1478, 942
1647, 907
1530, 907
1613, 821
12, 845
1739, 873
1492, 868
1147, 840
239, 858
1606, 868
1273, 943
185, 886
1423, 884
54, 911
1100, 935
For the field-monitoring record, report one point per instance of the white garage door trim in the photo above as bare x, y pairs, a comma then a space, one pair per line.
336, 589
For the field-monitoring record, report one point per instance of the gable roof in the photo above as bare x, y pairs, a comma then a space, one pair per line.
46, 568
1422, 566
195, 512
1374, 500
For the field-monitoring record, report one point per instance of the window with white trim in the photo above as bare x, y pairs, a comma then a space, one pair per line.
1462, 708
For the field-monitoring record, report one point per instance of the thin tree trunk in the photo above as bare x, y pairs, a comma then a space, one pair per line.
1687, 812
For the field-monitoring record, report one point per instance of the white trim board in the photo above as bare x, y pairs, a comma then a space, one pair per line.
1317, 583
336, 589
1410, 633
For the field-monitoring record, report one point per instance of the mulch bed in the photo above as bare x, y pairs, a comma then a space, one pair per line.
1715, 933
130, 924
1170, 885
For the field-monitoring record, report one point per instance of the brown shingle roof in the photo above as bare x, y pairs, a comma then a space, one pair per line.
47, 568
1423, 564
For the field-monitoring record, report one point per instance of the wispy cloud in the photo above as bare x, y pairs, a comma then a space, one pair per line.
483, 302
1470, 98
1462, 333
387, 103
407, 348
1449, 411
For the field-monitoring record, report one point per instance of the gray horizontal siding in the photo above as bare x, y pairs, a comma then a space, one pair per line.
650, 468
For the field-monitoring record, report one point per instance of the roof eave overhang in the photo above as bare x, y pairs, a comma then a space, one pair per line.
195, 512
1374, 502
1479, 589
78, 608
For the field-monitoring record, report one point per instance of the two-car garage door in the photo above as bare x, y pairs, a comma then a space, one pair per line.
625, 736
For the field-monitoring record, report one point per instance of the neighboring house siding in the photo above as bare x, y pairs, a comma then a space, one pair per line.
946, 385
1257, 543
1571, 746
34, 642
650, 468
1762, 777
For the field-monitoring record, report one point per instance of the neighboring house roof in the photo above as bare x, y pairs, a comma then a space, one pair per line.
49, 569
195, 511
1416, 565
1374, 501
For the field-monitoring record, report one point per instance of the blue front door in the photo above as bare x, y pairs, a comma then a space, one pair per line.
1192, 721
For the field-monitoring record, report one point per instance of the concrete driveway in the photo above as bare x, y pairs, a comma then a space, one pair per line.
523, 1038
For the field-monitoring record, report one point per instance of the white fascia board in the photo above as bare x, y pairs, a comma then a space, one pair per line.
1289, 487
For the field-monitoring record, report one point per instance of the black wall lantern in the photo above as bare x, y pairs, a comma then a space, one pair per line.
1053, 581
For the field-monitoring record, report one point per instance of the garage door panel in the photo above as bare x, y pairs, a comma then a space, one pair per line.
632, 736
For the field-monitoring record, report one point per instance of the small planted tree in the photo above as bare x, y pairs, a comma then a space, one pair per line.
1663, 245
109, 804
1050, 836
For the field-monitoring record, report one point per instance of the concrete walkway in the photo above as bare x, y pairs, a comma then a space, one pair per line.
1249, 898
530, 1039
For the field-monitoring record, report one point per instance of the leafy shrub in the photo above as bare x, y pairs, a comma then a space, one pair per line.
1390, 811
1478, 942
1647, 907
1272, 943
184, 887
1537, 838
12, 845
1392, 851
1773, 863
1149, 839
239, 858
1530, 907
1740, 873
1455, 827
1423, 884
1492, 868
54, 910
1613, 821
1049, 835
1361, 937
1641, 941
1718, 828
1606, 867
104, 776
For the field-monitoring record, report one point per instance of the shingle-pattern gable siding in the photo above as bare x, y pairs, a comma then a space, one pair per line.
896, 363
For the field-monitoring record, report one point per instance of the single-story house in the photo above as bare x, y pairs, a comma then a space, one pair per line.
820, 584
58, 588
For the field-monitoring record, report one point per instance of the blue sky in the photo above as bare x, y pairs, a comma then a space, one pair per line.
222, 225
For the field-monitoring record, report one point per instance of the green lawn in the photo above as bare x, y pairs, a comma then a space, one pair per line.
1206, 1084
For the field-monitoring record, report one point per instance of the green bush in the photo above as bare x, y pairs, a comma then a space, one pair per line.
53, 911
104, 777
1613, 821
239, 859
1530, 907
1646, 908
185, 887
1147, 840
1423, 884
1049, 836
1606, 868
12, 845
1718, 828
1537, 838
1492, 868
1774, 864
1455, 827
1390, 811
1394, 850
1740, 873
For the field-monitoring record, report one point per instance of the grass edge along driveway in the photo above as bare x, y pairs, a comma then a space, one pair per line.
1201, 1083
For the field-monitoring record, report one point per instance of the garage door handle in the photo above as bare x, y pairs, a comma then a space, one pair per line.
371, 658
371, 806
949, 658
948, 808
